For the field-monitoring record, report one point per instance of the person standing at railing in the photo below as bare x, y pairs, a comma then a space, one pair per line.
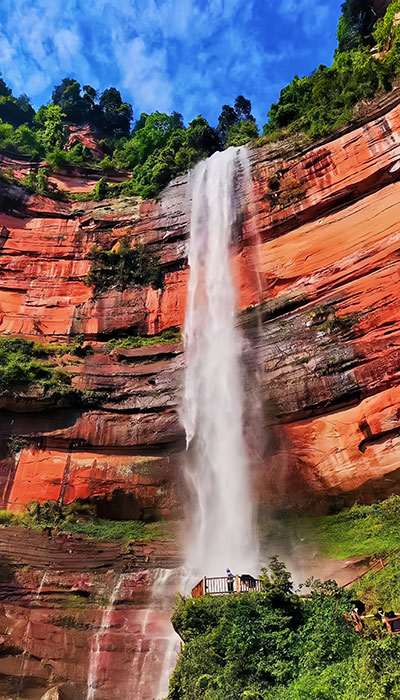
229, 580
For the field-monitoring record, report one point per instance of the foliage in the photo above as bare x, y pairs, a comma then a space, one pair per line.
21, 140
123, 267
168, 337
320, 103
15, 111
50, 118
384, 28
242, 133
248, 646
82, 104
25, 364
357, 531
355, 25
36, 182
161, 148
6, 517
382, 586
236, 125
278, 646
276, 577
80, 517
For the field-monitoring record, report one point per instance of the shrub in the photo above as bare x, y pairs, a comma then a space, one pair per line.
168, 337
384, 28
80, 517
123, 268
25, 364
6, 517
36, 182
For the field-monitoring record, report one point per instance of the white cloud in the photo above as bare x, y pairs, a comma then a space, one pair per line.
189, 55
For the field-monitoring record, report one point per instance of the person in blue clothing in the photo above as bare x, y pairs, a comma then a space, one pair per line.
229, 579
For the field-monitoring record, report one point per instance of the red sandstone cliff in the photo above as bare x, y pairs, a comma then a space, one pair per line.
316, 261
316, 264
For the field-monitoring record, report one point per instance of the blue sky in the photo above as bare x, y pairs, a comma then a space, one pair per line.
191, 56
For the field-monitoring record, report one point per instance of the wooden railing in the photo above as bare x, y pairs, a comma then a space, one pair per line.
380, 563
222, 585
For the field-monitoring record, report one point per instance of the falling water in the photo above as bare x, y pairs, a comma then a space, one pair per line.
172, 645
212, 411
95, 652
28, 631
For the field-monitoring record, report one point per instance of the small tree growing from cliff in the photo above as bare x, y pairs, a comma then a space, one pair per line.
123, 268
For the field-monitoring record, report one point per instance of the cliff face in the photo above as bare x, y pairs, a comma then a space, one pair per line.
77, 614
316, 266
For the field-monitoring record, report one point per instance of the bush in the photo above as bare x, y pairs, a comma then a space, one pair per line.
6, 517
384, 28
25, 364
246, 646
80, 517
168, 337
123, 268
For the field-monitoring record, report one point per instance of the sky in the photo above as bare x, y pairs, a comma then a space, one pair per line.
191, 56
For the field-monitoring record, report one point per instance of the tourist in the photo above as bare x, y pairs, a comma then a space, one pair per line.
229, 580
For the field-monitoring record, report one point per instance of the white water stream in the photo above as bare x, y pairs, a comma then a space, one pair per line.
27, 636
95, 652
212, 410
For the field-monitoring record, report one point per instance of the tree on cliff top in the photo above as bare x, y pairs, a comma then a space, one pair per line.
231, 118
356, 25
81, 104
14, 110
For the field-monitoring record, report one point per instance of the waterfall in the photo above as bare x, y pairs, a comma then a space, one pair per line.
95, 652
25, 654
162, 583
212, 410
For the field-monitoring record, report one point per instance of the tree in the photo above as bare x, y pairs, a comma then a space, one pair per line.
4, 89
201, 136
242, 133
243, 109
276, 577
117, 114
226, 120
230, 117
50, 118
355, 25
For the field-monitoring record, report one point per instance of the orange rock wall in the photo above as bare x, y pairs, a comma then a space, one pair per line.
318, 288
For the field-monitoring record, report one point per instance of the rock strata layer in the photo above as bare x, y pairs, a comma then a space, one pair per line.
317, 272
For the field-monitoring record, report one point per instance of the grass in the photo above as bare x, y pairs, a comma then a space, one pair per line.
80, 518
26, 365
127, 530
358, 531
382, 587
168, 337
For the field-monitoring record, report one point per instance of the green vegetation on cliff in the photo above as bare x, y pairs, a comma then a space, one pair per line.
275, 645
168, 337
81, 518
325, 100
357, 531
159, 146
123, 267
27, 367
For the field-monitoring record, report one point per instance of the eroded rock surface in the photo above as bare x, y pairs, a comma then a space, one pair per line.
317, 272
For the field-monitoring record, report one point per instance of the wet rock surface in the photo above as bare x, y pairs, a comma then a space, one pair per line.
54, 598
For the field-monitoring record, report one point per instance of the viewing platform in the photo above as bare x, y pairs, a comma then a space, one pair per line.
221, 585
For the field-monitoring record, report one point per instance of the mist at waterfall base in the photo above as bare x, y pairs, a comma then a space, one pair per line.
222, 526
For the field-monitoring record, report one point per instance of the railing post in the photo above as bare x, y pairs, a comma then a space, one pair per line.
237, 584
